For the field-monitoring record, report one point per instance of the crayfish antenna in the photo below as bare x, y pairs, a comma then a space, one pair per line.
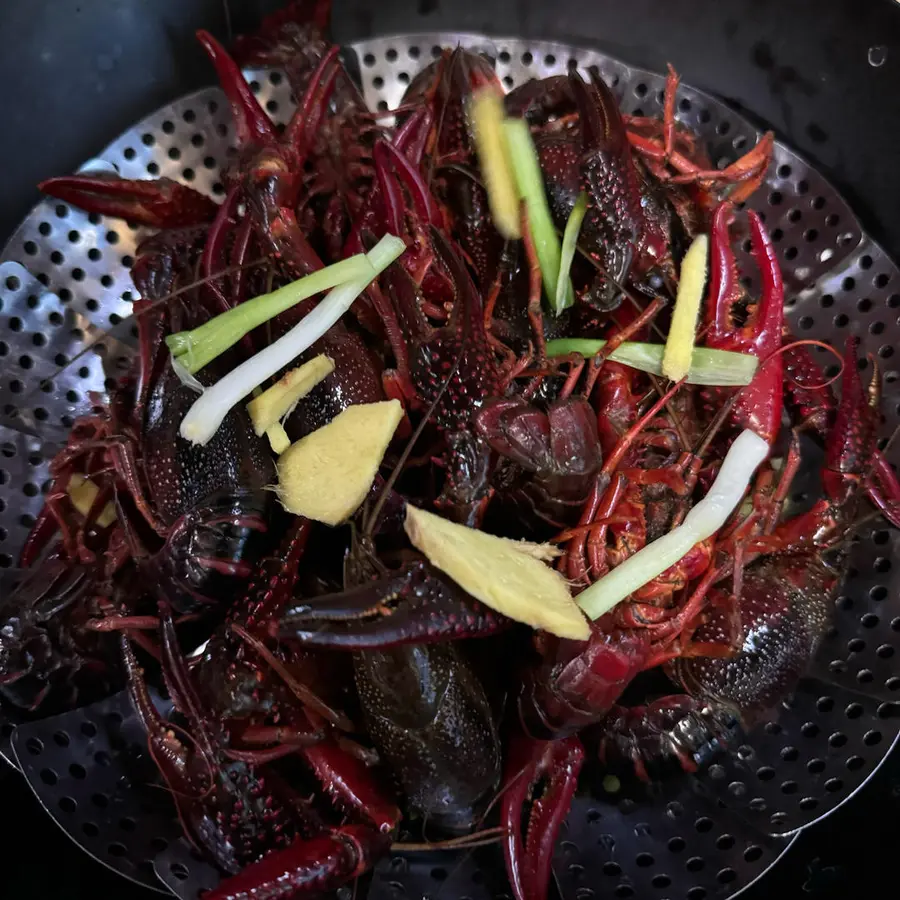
251, 122
159, 203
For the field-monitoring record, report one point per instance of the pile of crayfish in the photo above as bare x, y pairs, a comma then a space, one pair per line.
339, 689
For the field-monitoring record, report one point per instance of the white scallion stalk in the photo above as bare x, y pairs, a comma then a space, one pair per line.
194, 349
209, 410
707, 517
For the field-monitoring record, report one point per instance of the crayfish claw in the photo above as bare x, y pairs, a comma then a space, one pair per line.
555, 766
759, 405
159, 203
251, 122
306, 867
413, 605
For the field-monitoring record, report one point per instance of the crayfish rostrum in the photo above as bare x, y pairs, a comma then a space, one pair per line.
346, 686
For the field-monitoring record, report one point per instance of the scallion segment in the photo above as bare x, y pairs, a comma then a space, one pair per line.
569, 245
530, 183
716, 368
704, 520
209, 410
196, 348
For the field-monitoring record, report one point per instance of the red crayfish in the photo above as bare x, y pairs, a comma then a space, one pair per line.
339, 689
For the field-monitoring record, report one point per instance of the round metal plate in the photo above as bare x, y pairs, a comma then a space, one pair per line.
91, 771
64, 329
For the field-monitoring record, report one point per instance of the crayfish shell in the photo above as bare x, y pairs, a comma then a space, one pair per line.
784, 609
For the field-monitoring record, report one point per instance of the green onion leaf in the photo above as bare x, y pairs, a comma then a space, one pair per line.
196, 348
530, 182
209, 410
570, 241
716, 368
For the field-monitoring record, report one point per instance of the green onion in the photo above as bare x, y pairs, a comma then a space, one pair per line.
704, 520
530, 182
196, 348
570, 241
209, 410
717, 368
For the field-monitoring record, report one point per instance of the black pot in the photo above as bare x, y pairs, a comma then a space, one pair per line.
823, 75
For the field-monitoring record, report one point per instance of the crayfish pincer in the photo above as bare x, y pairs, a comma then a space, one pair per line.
424, 707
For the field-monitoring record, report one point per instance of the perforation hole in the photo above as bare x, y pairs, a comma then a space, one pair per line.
179, 871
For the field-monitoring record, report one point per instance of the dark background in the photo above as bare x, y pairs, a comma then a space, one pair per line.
76, 74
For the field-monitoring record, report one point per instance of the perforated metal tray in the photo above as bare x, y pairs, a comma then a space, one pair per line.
64, 286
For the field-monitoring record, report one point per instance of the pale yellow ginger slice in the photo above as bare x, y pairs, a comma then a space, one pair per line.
486, 111
676, 361
543, 552
273, 404
498, 572
278, 438
327, 475
82, 492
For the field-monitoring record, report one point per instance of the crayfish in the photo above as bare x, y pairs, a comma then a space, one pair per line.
337, 685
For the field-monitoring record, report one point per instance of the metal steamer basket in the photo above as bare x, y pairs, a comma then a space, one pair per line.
65, 331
